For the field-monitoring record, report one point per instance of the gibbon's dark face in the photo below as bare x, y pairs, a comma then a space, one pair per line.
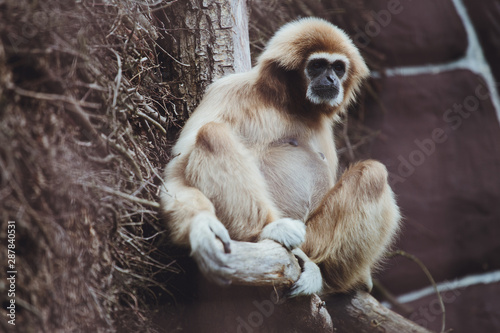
326, 73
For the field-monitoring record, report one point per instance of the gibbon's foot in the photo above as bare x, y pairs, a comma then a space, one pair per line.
288, 232
310, 280
368, 283
205, 234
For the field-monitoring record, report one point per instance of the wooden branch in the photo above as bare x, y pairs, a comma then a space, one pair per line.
360, 312
255, 301
267, 263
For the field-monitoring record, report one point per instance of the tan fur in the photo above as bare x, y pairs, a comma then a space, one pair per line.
256, 150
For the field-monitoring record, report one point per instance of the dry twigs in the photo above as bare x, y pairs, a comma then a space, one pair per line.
80, 163
431, 279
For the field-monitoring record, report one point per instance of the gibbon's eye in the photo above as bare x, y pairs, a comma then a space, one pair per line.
317, 64
339, 68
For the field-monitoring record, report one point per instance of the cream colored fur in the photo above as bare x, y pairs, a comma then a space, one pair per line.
249, 164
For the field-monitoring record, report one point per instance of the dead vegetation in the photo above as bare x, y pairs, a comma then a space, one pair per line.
83, 121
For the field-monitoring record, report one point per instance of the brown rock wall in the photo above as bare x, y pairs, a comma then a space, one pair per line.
468, 309
407, 33
485, 16
441, 144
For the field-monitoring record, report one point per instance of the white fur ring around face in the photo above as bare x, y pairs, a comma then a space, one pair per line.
288, 232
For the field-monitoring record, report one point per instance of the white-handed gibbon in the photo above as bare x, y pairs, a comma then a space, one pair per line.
257, 160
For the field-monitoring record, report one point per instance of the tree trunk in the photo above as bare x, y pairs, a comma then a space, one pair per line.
205, 39
360, 312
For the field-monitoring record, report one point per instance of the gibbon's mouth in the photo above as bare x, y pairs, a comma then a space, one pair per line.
326, 92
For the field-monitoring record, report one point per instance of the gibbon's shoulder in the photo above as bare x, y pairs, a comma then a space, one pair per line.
233, 83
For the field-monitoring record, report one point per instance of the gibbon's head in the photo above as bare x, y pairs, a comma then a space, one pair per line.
312, 59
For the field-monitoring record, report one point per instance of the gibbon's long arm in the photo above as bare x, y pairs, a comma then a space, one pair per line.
220, 169
193, 222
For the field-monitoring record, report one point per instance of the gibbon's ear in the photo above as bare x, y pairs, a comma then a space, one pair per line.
280, 87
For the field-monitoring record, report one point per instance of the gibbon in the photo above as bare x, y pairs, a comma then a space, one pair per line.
257, 160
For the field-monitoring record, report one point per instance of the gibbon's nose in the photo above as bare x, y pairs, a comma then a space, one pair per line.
329, 81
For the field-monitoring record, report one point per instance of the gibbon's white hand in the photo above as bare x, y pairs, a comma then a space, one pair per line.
310, 280
206, 235
288, 232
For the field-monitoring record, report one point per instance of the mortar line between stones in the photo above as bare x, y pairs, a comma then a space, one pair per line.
458, 284
475, 55
474, 61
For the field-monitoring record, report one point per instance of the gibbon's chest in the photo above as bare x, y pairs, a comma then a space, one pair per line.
298, 175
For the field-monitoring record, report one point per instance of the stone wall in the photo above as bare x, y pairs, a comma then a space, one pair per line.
437, 111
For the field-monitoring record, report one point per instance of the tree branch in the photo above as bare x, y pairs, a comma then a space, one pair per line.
262, 264
360, 312
267, 263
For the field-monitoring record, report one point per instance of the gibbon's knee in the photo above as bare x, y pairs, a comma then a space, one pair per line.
215, 138
209, 161
353, 226
368, 180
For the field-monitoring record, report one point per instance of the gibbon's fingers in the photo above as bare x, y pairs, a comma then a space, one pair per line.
221, 233
368, 282
288, 232
310, 280
210, 244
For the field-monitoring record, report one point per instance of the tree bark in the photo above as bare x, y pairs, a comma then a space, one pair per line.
360, 312
205, 39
